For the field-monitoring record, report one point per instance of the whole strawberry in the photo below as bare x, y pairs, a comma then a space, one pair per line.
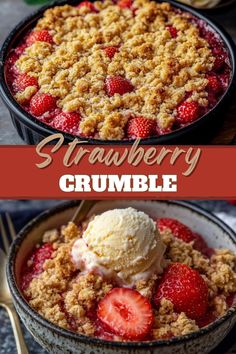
125, 312
187, 112
141, 127
42, 103
39, 36
67, 122
118, 84
185, 288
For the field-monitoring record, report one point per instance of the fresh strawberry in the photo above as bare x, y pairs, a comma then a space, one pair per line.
110, 51
125, 4
214, 83
118, 84
89, 5
173, 31
42, 103
232, 202
187, 112
140, 127
178, 229
182, 232
39, 36
67, 122
22, 81
185, 288
127, 313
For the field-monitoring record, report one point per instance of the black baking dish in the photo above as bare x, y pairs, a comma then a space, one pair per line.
32, 130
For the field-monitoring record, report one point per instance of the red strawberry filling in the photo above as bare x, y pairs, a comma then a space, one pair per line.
35, 263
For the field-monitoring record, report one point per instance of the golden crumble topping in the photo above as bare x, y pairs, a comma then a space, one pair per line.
162, 69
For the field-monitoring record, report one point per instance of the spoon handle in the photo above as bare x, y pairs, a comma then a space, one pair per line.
82, 210
15, 323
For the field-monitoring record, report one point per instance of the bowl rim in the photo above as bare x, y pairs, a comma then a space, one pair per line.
18, 297
47, 130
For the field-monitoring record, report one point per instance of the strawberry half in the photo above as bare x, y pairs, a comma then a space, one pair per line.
110, 51
89, 5
39, 36
140, 127
125, 4
118, 84
185, 288
67, 122
187, 112
127, 313
23, 81
42, 103
184, 233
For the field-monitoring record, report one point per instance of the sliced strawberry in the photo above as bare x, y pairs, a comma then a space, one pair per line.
42, 103
110, 51
23, 81
89, 5
67, 122
140, 127
214, 84
185, 288
173, 31
125, 4
39, 36
127, 313
187, 112
118, 84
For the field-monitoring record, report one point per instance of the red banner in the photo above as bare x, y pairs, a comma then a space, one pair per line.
103, 172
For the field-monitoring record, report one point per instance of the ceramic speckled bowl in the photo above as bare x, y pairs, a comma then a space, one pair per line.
59, 341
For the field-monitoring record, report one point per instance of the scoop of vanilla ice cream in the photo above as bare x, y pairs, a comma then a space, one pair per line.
123, 243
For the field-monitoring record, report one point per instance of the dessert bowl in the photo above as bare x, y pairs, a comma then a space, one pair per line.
32, 130
57, 340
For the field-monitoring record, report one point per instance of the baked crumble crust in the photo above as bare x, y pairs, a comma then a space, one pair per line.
162, 69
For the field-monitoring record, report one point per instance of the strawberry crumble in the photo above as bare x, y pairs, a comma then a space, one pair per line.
118, 70
166, 283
